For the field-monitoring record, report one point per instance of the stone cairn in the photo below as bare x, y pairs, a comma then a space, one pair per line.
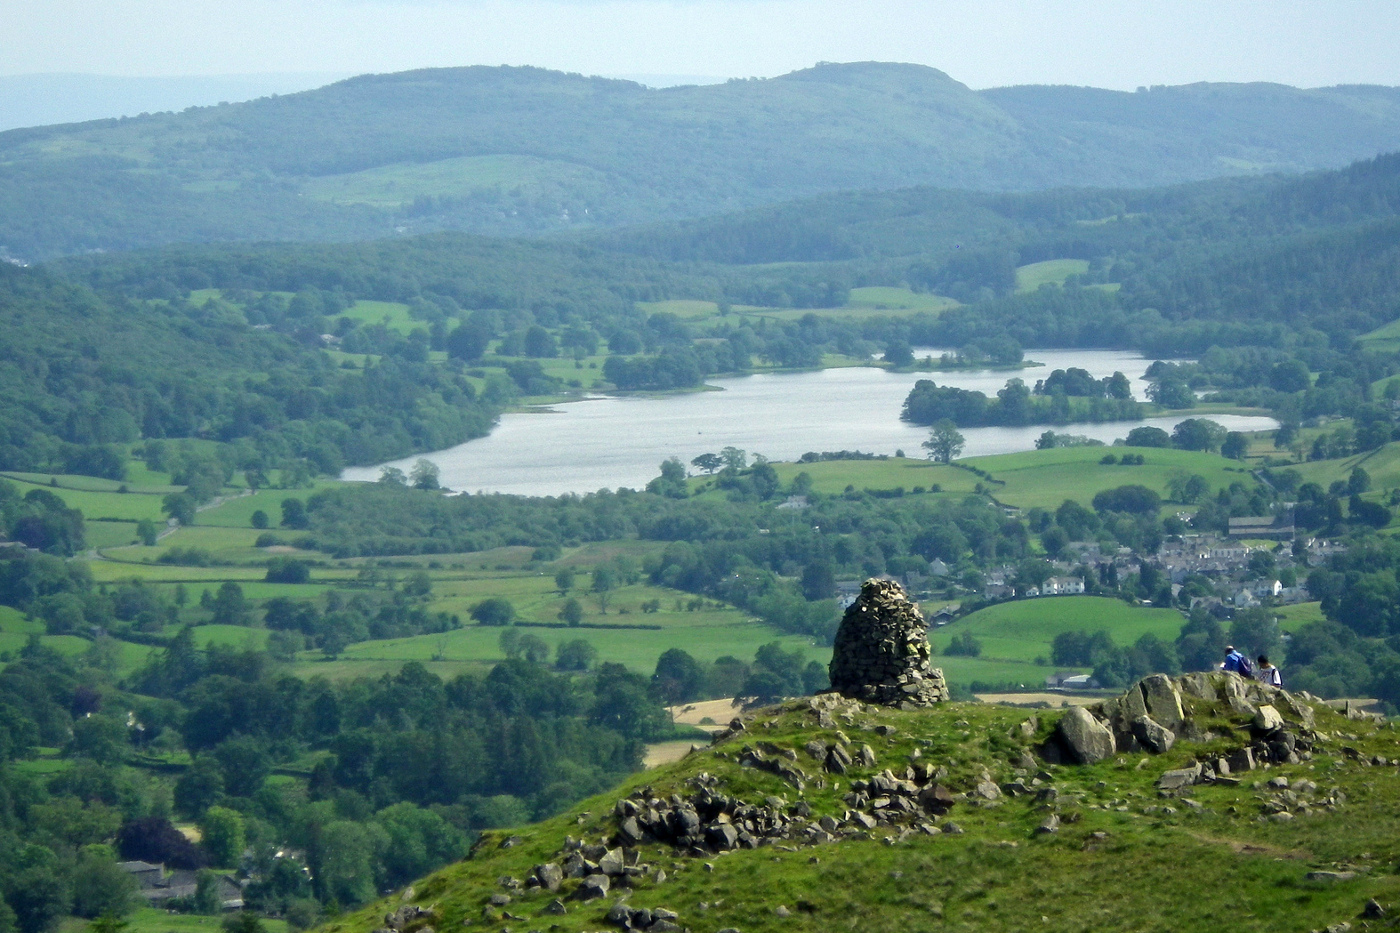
881, 653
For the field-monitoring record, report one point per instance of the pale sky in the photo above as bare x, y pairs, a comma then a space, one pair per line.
983, 43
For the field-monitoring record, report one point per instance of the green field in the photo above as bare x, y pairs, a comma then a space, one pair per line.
1015, 635
100, 502
889, 298
1383, 465
1043, 478
995, 673
1049, 272
1292, 618
393, 186
585, 371
478, 646
703, 627
391, 314
225, 545
15, 629
237, 636
109, 534
1023, 630
862, 302
153, 920
1384, 339
237, 512
1047, 478
848, 313
139, 480
831, 477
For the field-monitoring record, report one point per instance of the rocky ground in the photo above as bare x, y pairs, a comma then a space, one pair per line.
1156, 810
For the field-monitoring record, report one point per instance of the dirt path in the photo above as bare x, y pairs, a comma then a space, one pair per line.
718, 711
1054, 699
663, 753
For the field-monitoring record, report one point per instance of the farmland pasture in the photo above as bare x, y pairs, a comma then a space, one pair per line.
1292, 618
109, 534
225, 545
890, 298
1013, 635
154, 920
1050, 272
1024, 629
831, 477
1047, 478
391, 314
129, 506
1382, 464
1384, 339
706, 639
237, 512
148, 482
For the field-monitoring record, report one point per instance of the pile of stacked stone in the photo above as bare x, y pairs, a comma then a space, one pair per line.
881, 653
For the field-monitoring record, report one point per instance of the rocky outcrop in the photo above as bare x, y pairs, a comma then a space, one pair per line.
1155, 713
881, 653
1150, 708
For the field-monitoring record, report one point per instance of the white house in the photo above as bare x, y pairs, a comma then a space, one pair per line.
1062, 586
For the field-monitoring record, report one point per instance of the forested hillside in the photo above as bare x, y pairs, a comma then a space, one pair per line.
523, 150
83, 373
1171, 270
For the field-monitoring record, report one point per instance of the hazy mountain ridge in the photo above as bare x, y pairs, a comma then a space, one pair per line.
46, 99
525, 151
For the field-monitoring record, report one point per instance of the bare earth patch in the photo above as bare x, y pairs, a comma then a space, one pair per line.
664, 753
1054, 699
719, 711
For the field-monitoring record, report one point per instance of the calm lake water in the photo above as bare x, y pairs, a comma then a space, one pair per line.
608, 442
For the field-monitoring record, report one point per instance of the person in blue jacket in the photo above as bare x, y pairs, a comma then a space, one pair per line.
1234, 661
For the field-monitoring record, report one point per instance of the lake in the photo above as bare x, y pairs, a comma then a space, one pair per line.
610, 442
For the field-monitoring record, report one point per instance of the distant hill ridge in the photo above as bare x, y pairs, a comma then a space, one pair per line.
526, 150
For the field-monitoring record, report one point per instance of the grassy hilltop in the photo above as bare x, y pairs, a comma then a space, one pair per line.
1122, 856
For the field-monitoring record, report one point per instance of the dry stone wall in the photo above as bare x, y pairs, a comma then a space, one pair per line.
881, 654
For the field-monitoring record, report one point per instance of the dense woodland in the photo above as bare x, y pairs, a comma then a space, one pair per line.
84, 372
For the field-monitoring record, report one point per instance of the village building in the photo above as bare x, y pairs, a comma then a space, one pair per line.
1277, 527
158, 887
1062, 586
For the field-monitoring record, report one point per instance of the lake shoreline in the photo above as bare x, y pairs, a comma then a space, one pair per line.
619, 441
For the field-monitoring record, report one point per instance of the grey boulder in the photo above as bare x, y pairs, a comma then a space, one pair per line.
1086, 739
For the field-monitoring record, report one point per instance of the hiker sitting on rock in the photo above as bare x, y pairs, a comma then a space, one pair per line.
1267, 673
1237, 663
